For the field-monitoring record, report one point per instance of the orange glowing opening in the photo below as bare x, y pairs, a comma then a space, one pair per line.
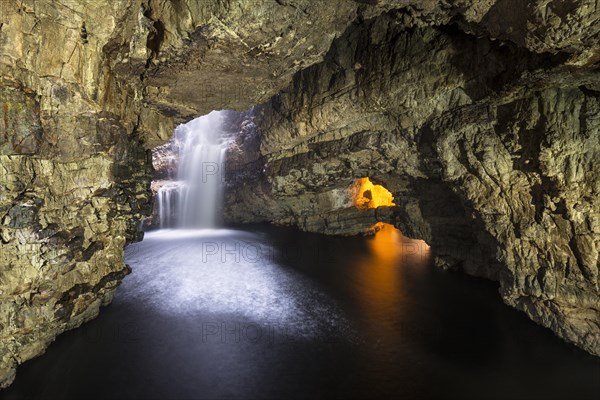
368, 195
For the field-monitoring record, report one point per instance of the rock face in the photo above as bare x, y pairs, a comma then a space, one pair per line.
479, 116
72, 176
87, 88
488, 148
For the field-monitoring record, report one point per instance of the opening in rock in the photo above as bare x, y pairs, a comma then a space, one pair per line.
368, 195
479, 117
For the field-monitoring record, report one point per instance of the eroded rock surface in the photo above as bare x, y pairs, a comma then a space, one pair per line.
488, 148
82, 100
480, 117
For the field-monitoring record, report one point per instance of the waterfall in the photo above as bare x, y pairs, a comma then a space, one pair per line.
194, 199
162, 212
164, 196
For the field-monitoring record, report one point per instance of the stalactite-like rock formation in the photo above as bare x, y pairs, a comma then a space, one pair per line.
481, 118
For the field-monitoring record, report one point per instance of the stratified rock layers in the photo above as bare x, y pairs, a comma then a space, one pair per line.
86, 90
479, 116
489, 150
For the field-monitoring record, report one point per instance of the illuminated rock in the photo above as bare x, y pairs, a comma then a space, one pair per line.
480, 118
368, 195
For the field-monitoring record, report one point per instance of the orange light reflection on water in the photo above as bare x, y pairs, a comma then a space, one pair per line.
389, 245
382, 273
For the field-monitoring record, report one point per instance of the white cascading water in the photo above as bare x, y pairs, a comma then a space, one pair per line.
194, 200
164, 206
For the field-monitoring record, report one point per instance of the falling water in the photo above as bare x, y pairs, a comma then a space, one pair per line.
164, 196
193, 201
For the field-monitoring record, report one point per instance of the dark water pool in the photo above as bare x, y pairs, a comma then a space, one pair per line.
275, 313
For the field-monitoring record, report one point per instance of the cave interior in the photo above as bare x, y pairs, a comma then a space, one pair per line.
469, 130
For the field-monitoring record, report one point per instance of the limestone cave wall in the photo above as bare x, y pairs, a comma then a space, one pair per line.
480, 117
488, 147
87, 89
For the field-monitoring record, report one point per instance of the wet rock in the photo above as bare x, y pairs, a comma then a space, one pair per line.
481, 117
486, 146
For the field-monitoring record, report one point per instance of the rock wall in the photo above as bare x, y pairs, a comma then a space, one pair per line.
87, 88
487, 146
485, 138
73, 174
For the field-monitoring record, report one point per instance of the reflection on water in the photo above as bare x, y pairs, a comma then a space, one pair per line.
277, 313
381, 295
225, 272
377, 271
386, 245
379, 274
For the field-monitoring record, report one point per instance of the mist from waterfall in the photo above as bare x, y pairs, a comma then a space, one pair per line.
194, 199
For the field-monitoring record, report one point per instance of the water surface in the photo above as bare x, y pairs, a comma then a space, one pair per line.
275, 313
